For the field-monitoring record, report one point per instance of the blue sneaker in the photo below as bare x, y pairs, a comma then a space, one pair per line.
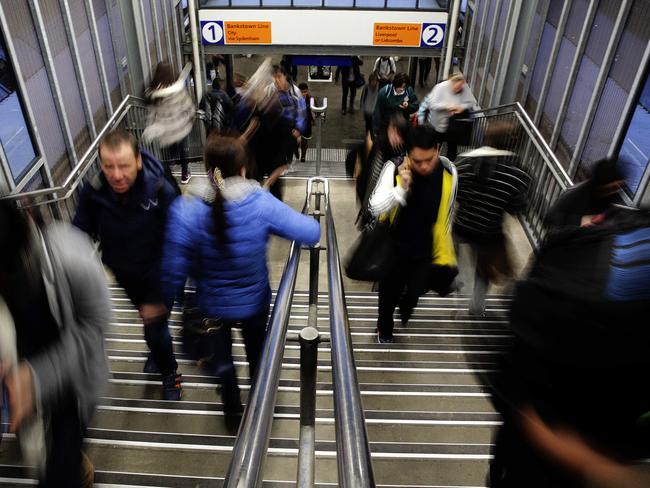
172, 387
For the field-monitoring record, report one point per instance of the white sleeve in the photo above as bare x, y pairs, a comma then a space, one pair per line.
386, 194
393, 65
437, 101
422, 111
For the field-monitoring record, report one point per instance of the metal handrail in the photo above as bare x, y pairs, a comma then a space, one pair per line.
353, 452
251, 445
527, 123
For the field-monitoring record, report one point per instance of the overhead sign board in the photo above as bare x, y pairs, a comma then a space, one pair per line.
220, 32
303, 27
396, 34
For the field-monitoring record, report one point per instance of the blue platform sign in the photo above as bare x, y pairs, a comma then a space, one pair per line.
212, 32
432, 35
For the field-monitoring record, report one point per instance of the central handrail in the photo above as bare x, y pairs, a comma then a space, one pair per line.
251, 445
353, 452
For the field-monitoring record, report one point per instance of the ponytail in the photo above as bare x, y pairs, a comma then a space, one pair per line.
218, 211
225, 156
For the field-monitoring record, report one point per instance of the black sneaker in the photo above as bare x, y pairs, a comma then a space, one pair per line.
172, 387
385, 339
185, 177
150, 366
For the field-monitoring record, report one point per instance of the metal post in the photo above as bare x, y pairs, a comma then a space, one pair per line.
118, 62
505, 51
48, 60
472, 32
314, 262
156, 30
573, 74
608, 59
99, 57
488, 56
320, 118
485, 11
198, 77
538, 40
170, 57
309, 339
452, 27
179, 35
550, 65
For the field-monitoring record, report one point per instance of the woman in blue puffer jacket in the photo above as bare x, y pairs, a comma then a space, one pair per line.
220, 241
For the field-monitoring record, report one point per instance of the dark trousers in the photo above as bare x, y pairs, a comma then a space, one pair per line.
402, 286
425, 69
352, 90
179, 151
254, 332
452, 146
63, 466
368, 119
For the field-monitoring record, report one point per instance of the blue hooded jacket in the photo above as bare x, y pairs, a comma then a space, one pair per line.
232, 279
130, 231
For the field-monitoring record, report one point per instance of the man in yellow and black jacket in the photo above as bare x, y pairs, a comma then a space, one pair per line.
416, 194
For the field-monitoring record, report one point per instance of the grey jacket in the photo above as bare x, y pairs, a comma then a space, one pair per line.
80, 304
433, 110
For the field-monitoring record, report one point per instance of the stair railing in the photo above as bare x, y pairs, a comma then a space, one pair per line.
353, 452
548, 177
60, 202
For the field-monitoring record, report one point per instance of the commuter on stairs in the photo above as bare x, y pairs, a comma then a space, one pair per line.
396, 97
385, 68
221, 242
309, 121
217, 106
369, 100
489, 184
171, 115
125, 208
571, 387
389, 145
416, 195
54, 311
448, 99
350, 77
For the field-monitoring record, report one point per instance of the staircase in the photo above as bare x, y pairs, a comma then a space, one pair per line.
429, 421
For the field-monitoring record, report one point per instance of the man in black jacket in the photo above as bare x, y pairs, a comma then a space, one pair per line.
125, 208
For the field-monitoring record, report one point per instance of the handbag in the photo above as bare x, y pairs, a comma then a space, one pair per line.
373, 253
460, 128
360, 80
197, 334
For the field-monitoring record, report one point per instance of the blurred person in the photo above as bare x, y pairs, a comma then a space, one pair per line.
221, 242
125, 208
218, 107
424, 63
171, 115
416, 195
570, 388
490, 183
448, 99
585, 202
287, 129
350, 77
309, 121
369, 100
291, 69
52, 358
389, 145
385, 68
398, 97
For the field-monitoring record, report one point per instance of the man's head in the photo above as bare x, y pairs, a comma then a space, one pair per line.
304, 89
457, 82
120, 159
607, 178
400, 82
281, 78
216, 86
423, 149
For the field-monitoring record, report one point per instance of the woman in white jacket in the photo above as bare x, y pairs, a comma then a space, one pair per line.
171, 114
